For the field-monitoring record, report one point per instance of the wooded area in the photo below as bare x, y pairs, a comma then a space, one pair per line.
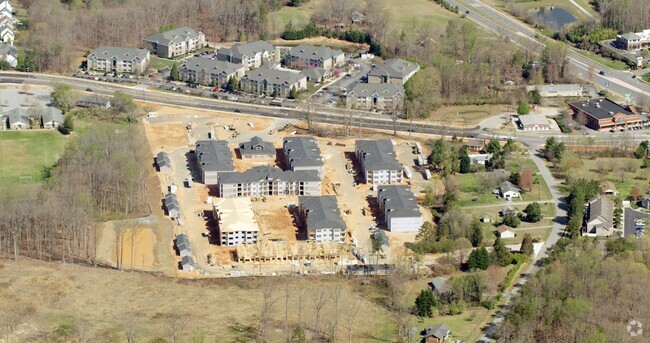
101, 176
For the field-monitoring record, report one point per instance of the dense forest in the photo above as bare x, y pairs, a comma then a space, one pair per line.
588, 292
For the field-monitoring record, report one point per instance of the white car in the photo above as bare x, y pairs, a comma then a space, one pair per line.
233, 98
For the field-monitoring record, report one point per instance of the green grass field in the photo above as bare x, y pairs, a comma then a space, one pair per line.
403, 12
26, 154
624, 173
646, 77
614, 64
160, 63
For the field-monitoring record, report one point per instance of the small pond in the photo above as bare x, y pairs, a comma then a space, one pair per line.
554, 17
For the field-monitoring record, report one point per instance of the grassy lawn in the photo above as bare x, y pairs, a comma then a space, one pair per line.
404, 13
27, 153
543, 233
613, 64
646, 77
160, 63
464, 116
623, 172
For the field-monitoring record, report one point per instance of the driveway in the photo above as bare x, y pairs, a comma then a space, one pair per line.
629, 225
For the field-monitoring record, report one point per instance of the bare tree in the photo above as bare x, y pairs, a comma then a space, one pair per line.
287, 294
267, 308
350, 316
335, 296
176, 326
307, 111
319, 298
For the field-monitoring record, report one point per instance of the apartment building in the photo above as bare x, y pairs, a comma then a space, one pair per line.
236, 221
256, 148
395, 71
175, 42
209, 72
321, 218
399, 208
269, 181
306, 56
302, 153
251, 55
112, 59
214, 158
379, 164
273, 82
383, 97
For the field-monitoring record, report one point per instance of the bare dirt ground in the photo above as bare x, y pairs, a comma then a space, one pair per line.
166, 136
334, 43
138, 248
275, 220
69, 303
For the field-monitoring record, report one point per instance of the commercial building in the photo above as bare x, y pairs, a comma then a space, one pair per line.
385, 97
269, 181
534, 122
604, 114
399, 208
395, 71
378, 161
634, 41
306, 56
112, 59
209, 72
600, 218
256, 148
214, 159
251, 55
321, 218
302, 153
552, 91
175, 42
236, 221
273, 82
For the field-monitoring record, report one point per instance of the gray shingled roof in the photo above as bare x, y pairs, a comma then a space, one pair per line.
322, 212
507, 186
378, 155
302, 151
122, 54
247, 49
398, 201
256, 146
439, 331
171, 202
602, 208
176, 35
188, 260
17, 115
52, 114
440, 284
183, 242
273, 76
8, 49
162, 159
196, 64
376, 90
214, 156
631, 36
315, 74
259, 174
601, 108
394, 68
311, 52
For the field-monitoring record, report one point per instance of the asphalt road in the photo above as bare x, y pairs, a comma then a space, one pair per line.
629, 226
619, 82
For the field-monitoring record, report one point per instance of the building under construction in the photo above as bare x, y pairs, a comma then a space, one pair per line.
266, 251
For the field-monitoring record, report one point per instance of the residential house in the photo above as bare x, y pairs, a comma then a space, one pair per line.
187, 263
436, 334
302, 153
534, 122
251, 55
600, 218
7, 34
273, 82
96, 101
214, 159
306, 56
379, 164
508, 191
51, 118
506, 231
269, 181
507, 209
17, 119
645, 202
633, 41
209, 72
399, 208
9, 53
5, 7
317, 74
395, 71
357, 18
112, 59
183, 245
385, 97
236, 221
174, 42
256, 148
479, 159
171, 205
604, 114
321, 218
440, 286
608, 188
475, 144
552, 91
163, 162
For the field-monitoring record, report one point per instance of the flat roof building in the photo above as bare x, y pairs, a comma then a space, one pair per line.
213, 158
378, 161
236, 221
399, 208
534, 122
321, 218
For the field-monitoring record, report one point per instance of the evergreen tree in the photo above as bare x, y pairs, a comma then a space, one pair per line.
478, 259
511, 219
465, 163
642, 150
493, 147
425, 302
500, 254
523, 108
527, 245
293, 93
533, 212
477, 233
68, 122
173, 74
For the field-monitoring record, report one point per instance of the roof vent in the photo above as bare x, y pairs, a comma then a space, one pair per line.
611, 113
